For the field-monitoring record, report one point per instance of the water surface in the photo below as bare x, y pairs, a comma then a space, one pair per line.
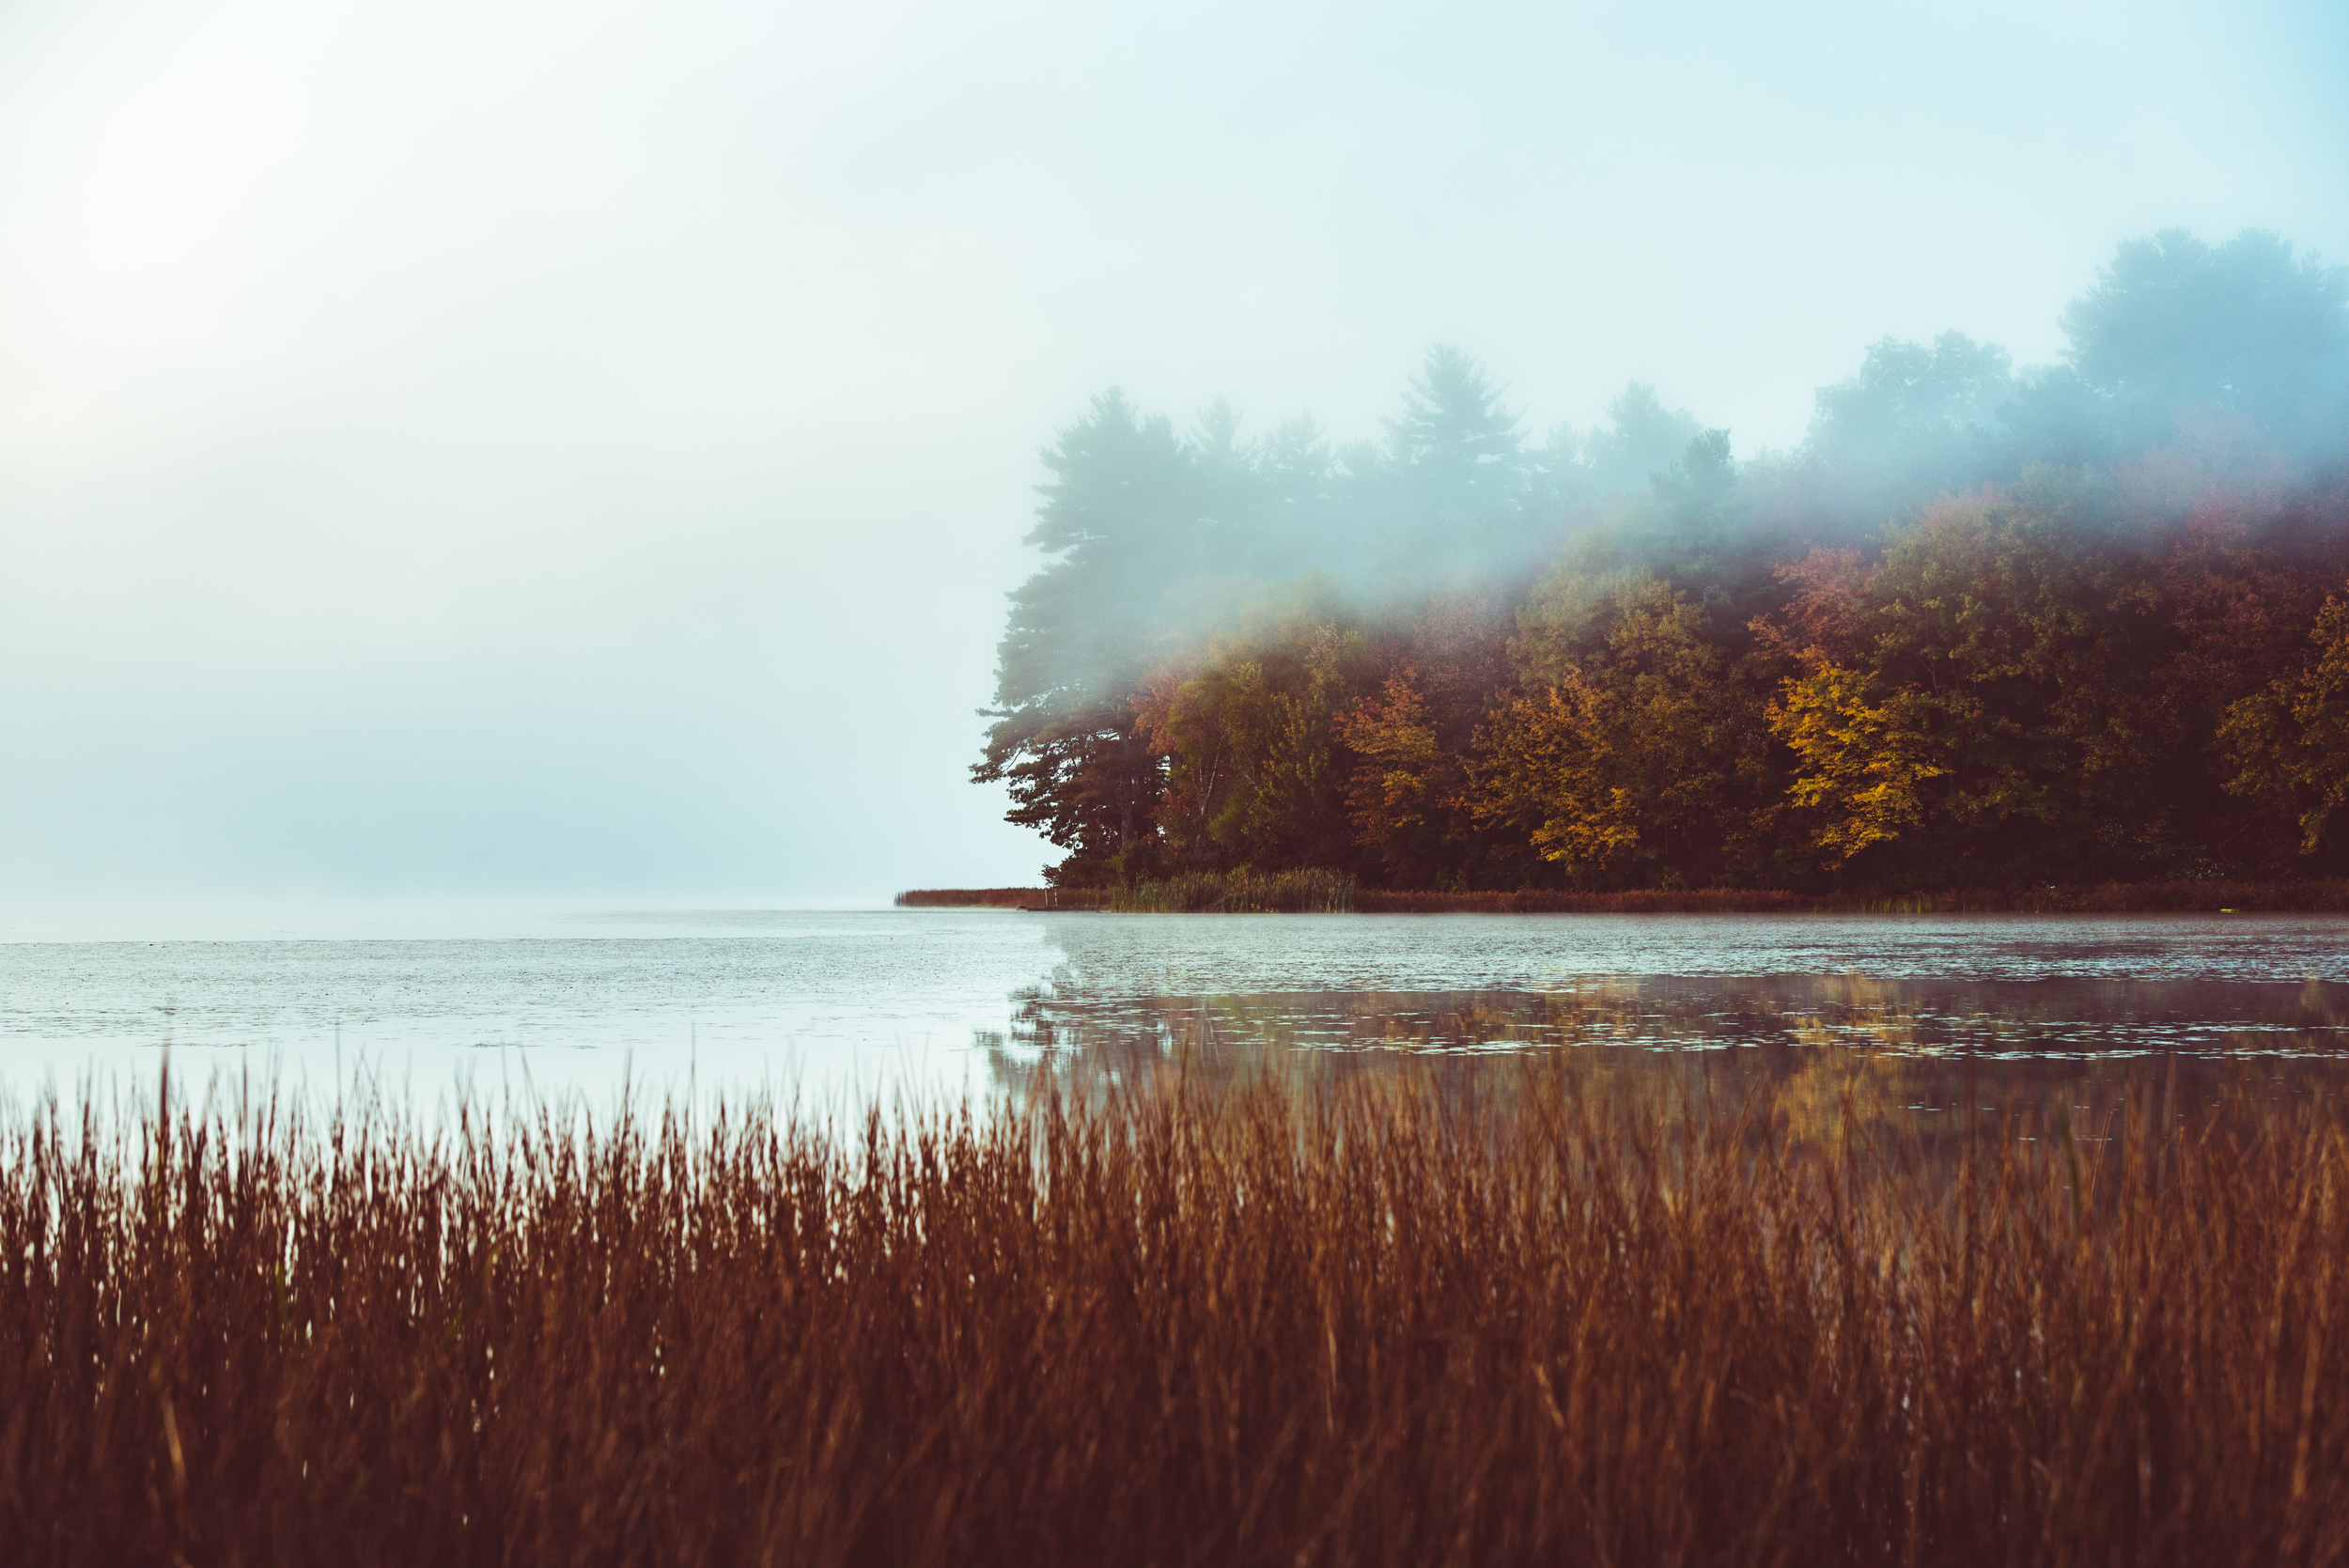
930, 1002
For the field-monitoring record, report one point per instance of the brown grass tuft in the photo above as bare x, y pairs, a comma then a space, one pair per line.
1388, 1324
971, 898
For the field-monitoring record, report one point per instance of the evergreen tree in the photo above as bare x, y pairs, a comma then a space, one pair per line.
1119, 514
1455, 435
1644, 439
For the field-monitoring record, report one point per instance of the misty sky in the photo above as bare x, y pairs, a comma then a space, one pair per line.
579, 450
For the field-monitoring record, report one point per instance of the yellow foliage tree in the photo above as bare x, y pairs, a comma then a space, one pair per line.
1863, 763
1408, 783
1549, 768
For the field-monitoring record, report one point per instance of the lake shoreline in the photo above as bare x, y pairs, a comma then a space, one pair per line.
2313, 896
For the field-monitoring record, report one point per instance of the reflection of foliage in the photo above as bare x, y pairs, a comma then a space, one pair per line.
1837, 1092
1834, 1053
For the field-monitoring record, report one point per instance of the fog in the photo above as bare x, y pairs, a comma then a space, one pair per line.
580, 451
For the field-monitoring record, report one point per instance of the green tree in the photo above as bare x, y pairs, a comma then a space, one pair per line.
1643, 439
2174, 324
1462, 449
2289, 742
1443, 502
1916, 422
1254, 775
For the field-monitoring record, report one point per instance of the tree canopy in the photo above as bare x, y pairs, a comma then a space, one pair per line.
1987, 624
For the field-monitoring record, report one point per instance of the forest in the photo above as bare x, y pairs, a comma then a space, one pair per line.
1988, 626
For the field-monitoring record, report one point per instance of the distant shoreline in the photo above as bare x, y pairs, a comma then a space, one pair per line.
2316, 896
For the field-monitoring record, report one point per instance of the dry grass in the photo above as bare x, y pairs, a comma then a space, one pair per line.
971, 898
1552, 901
1003, 898
2101, 898
1240, 892
1386, 1325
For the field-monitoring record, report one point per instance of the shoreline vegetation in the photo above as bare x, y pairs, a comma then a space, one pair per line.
1395, 1323
1317, 893
1985, 626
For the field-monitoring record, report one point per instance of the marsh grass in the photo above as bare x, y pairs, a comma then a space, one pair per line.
1390, 1324
2318, 896
1550, 901
971, 898
1237, 892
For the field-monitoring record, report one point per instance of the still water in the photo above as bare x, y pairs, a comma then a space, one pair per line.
841, 1008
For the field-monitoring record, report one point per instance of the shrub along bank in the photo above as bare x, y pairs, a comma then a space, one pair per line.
1312, 892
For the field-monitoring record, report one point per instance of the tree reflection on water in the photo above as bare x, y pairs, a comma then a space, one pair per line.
1821, 1051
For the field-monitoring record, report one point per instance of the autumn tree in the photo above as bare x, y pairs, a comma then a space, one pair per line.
1863, 749
1412, 740
1549, 769
1865, 757
1407, 798
1637, 753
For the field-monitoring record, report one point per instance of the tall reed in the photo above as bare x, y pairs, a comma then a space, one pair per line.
1394, 1323
986, 898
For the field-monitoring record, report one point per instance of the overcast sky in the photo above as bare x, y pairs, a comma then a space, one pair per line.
578, 450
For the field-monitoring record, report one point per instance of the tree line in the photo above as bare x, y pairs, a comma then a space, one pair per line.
1985, 626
